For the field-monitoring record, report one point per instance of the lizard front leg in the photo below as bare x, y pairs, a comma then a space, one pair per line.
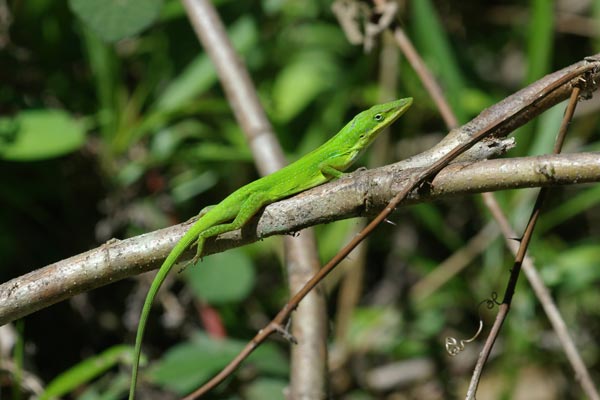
330, 172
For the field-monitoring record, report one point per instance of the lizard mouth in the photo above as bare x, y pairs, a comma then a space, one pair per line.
405, 104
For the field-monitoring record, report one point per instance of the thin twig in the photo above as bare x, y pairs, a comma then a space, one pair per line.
524, 244
429, 81
540, 289
543, 294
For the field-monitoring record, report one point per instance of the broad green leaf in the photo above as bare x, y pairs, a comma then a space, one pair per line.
266, 388
39, 134
186, 365
189, 364
86, 370
165, 143
223, 277
316, 35
188, 185
114, 20
300, 82
293, 9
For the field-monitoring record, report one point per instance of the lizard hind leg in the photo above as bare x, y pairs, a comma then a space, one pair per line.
250, 206
199, 246
194, 219
197, 257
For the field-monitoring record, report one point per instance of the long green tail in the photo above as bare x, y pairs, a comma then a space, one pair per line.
164, 270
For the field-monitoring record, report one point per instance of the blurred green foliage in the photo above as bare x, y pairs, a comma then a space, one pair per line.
85, 371
113, 124
206, 277
187, 365
40, 134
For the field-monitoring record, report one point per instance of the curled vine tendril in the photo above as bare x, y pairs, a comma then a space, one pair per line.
491, 302
455, 346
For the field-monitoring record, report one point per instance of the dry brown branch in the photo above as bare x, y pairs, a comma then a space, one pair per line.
581, 372
543, 294
576, 362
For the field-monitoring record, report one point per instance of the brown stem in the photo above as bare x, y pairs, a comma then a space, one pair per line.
581, 372
520, 256
429, 81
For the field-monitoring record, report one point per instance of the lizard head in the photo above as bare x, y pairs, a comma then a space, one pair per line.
369, 123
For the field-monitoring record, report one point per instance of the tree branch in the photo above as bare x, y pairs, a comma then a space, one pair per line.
360, 193
120, 259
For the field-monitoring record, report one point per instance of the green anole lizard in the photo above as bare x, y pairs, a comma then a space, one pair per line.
323, 164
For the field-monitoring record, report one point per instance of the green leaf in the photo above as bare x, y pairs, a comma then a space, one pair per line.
265, 388
189, 364
223, 277
190, 184
301, 82
86, 370
39, 135
114, 20
210, 151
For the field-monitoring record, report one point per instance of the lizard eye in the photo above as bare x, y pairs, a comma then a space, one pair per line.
378, 117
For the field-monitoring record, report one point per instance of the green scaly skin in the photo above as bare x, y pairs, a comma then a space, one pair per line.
323, 164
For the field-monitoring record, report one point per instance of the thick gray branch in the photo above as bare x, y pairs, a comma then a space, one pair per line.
360, 193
